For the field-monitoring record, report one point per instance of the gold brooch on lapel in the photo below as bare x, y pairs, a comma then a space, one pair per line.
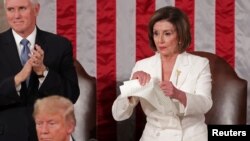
178, 72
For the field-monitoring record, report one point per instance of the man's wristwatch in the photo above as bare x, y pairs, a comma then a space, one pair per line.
45, 72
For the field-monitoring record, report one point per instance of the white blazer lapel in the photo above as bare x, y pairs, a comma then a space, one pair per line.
157, 67
180, 70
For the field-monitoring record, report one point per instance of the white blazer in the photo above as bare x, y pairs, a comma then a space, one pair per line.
194, 79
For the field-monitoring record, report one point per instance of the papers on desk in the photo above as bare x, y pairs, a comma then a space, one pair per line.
151, 92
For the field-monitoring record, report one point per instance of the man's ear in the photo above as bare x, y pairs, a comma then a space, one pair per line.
37, 9
70, 127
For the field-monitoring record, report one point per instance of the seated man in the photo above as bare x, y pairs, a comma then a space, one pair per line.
55, 119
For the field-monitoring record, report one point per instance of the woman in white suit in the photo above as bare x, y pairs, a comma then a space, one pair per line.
183, 77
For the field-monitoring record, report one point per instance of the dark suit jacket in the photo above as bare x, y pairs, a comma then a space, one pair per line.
73, 138
16, 123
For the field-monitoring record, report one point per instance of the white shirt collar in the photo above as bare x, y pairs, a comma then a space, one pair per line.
31, 38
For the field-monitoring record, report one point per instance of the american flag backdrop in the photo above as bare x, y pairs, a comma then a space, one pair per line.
110, 35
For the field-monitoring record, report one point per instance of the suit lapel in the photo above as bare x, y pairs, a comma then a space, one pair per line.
180, 70
40, 40
157, 67
72, 138
10, 51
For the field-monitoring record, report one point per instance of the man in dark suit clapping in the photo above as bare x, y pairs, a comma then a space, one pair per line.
34, 64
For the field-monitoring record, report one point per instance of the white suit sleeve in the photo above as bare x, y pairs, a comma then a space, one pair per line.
122, 107
201, 102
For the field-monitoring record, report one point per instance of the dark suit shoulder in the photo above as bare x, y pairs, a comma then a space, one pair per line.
5, 32
51, 36
56, 43
5, 35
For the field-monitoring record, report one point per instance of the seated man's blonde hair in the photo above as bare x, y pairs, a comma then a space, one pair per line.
55, 104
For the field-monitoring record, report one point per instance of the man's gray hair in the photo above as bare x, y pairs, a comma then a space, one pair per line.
32, 1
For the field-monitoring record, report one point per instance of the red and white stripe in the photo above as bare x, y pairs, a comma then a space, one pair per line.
110, 35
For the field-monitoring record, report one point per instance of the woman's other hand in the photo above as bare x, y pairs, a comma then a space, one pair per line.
170, 90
